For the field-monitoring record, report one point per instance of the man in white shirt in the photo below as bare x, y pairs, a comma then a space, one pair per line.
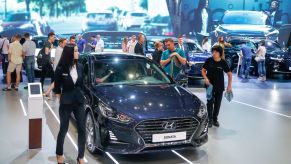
15, 58
4, 45
58, 54
131, 44
29, 61
100, 44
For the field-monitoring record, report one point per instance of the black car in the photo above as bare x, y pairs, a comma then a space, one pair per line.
194, 53
250, 24
277, 59
132, 107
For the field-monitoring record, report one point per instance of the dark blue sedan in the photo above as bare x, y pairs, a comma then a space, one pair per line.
132, 107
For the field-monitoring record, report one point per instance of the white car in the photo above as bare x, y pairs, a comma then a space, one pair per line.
100, 20
134, 20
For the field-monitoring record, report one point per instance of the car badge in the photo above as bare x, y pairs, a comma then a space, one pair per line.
169, 125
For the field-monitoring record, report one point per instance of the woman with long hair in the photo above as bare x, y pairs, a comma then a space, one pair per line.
68, 84
125, 45
260, 58
205, 44
222, 43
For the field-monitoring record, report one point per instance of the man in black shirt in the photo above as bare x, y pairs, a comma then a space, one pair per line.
46, 64
138, 49
212, 73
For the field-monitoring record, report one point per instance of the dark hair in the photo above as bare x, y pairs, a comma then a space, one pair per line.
262, 42
67, 59
72, 37
217, 48
181, 36
93, 36
50, 34
26, 35
62, 40
169, 40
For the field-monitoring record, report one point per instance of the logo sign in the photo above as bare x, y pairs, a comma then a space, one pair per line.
169, 125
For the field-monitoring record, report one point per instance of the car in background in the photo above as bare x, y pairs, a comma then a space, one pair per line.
158, 26
101, 20
112, 39
134, 20
250, 24
277, 59
196, 57
27, 21
137, 108
39, 42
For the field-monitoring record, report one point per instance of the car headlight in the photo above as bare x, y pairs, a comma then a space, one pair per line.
113, 115
202, 111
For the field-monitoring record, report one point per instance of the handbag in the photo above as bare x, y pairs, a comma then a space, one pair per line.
258, 58
1, 55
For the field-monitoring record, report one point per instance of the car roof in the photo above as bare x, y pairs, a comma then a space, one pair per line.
110, 55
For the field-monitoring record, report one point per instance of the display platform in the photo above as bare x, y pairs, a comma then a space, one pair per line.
259, 118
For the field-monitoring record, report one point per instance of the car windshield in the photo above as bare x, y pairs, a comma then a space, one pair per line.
237, 45
18, 17
244, 18
128, 72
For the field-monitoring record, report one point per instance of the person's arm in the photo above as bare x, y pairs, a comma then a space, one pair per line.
227, 44
165, 61
84, 46
241, 54
229, 86
180, 58
206, 80
57, 83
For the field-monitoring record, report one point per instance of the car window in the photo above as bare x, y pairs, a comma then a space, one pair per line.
193, 47
128, 72
99, 15
244, 18
18, 17
138, 14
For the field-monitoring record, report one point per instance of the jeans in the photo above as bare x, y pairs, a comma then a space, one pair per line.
65, 111
29, 63
245, 67
262, 68
47, 70
213, 105
4, 63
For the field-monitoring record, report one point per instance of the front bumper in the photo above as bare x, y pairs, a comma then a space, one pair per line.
126, 140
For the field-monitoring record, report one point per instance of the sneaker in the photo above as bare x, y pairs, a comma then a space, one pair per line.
15, 88
6, 89
210, 124
264, 78
260, 78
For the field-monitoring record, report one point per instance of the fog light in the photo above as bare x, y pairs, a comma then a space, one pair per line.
112, 136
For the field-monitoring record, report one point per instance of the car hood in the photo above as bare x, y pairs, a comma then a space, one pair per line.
242, 29
149, 102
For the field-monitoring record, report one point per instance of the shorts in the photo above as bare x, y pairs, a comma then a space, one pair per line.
12, 67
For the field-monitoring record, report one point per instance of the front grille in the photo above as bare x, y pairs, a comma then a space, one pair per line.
149, 127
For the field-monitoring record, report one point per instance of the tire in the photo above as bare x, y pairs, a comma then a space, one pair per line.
91, 134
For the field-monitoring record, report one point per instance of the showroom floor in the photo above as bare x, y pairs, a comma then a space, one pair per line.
255, 128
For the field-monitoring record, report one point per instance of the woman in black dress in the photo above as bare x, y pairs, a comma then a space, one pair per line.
68, 83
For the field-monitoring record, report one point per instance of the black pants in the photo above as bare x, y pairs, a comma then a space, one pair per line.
4, 63
65, 114
46, 71
213, 105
